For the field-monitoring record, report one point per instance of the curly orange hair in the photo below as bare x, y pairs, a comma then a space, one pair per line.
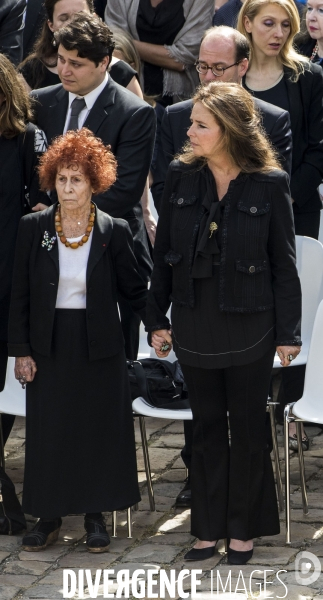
83, 149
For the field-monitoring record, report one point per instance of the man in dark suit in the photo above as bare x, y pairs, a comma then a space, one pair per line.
227, 52
35, 17
223, 56
12, 14
115, 115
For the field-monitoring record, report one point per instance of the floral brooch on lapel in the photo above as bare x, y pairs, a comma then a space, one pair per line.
48, 241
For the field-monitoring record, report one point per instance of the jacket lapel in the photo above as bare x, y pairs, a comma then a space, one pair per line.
102, 232
46, 223
294, 98
57, 113
100, 111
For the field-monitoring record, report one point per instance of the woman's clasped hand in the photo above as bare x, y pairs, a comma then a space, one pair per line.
161, 341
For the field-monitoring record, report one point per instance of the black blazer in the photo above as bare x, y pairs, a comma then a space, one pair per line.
111, 269
35, 16
176, 122
257, 262
127, 123
306, 115
11, 28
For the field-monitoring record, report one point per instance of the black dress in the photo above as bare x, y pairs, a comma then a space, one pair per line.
80, 448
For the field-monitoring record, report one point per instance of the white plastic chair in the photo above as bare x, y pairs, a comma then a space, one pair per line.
12, 400
308, 408
142, 409
309, 260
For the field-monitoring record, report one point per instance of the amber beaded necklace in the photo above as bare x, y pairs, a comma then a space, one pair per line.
85, 237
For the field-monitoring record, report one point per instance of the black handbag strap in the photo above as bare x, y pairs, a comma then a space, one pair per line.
141, 381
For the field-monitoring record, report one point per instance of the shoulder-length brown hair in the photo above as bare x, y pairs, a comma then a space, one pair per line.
243, 138
15, 111
79, 149
288, 55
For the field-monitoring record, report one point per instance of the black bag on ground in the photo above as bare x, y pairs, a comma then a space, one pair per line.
159, 382
12, 519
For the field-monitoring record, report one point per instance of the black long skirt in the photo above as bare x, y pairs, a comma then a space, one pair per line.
80, 448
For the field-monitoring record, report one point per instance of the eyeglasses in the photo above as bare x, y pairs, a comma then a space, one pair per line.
217, 71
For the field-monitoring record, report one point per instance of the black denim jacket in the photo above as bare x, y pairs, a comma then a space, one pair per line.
257, 265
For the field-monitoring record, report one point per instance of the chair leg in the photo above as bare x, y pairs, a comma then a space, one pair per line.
276, 457
287, 474
129, 522
301, 466
114, 524
147, 462
135, 506
2, 459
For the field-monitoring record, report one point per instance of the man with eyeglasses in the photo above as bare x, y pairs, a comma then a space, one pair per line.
224, 56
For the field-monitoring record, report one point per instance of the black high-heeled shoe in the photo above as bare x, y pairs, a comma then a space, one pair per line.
200, 553
238, 557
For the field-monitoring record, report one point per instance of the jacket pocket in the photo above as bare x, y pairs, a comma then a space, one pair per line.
253, 220
183, 205
250, 278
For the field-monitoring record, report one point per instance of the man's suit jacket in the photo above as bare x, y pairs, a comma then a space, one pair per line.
11, 28
111, 269
127, 124
35, 17
176, 122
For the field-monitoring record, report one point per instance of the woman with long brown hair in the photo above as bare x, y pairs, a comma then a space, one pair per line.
225, 258
21, 143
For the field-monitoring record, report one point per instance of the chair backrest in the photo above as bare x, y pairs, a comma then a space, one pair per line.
309, 256
311, 402
13, 397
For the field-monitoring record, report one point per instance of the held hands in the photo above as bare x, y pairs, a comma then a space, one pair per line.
160, 339
287, 354
25, 369
151, 226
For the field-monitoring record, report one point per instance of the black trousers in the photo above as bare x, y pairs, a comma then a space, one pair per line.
6, 420
233, 489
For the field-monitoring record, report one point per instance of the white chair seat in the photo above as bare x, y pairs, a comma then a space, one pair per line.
141, 407
13, 397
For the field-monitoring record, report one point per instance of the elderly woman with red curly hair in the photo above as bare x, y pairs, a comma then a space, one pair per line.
71, 260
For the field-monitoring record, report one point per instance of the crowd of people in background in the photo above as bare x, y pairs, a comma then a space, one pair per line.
213, 111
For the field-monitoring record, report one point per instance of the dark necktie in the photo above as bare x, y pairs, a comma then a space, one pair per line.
77, 105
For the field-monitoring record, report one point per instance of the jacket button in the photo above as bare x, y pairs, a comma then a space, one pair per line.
180, 200
90, 290
252, 269
93, 343
253, 209
91, 315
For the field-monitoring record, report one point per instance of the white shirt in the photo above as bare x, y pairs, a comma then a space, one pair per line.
71, 291
90, 100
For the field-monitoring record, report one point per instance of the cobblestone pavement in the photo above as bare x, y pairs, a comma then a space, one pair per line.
161, 538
